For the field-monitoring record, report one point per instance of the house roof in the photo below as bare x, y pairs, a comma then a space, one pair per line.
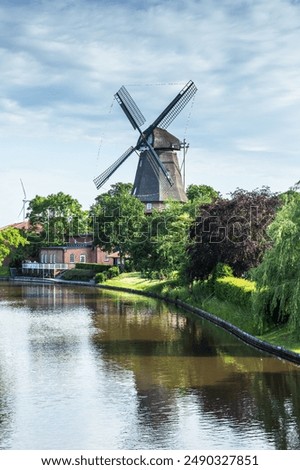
24, 225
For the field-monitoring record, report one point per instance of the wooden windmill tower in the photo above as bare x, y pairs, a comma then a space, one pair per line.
158, 177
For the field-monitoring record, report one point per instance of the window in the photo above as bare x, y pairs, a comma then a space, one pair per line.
149, 206
82, 258
72, 258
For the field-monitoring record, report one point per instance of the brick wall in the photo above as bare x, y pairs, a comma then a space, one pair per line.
74, 254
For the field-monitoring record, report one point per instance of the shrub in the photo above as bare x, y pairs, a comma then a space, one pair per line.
4, 271
97, 268
222, 270
100, 277
235, 290
78, 275
113, 272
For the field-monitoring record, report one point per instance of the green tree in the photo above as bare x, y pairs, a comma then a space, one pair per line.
201, 193
57, 217
161, 251
10, 238
278, 276
118, 219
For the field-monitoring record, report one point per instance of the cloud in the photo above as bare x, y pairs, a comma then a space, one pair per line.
61, 63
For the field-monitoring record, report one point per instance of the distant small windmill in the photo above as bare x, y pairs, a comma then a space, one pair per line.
158, 176
24, 200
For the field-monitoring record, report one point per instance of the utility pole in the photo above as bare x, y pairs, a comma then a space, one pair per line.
185, 146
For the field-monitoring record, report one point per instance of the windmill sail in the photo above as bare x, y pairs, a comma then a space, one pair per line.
130, 108
101, 179
174, 108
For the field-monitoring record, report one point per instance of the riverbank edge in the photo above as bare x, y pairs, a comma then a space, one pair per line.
251, 340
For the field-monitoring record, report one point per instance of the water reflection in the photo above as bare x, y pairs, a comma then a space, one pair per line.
81, 368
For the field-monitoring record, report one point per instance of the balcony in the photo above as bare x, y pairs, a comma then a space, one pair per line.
46, 266
44, 269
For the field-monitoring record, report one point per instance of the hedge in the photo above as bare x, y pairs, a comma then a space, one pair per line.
97, 268
235, 290
78, 275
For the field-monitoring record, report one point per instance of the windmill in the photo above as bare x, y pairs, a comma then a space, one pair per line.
158, 175
25, 200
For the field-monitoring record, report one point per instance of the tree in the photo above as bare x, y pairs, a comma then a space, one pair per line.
118, 218
161, 250
201, 193
278, 276
57, 217
231, 231
10, 238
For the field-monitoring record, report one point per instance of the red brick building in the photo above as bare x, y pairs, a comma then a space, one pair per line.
74, 253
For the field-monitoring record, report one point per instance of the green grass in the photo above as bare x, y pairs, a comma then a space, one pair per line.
132, 281
202, 297
281, 336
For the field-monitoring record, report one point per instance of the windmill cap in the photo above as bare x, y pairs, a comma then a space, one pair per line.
163, 140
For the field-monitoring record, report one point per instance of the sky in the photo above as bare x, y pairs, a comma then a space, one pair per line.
61, 62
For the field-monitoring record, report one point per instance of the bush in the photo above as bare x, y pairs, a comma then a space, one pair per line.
235, 290
100, 278
113, 272
222, 270
97, 268
84, 275
4, 271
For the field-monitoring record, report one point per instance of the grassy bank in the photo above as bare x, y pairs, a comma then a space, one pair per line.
200, 296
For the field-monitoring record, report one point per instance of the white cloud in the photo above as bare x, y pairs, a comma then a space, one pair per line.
61, 63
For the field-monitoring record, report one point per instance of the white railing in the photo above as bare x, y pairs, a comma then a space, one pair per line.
45, 266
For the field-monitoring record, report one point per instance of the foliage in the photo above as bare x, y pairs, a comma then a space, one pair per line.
97, 268
118, 218
112, 272
162, 248
278, 276
100, 278
29, 251
84, 275
235, 290
231, 231
4, 271
201, 193
222, 270
57, 217
10, 238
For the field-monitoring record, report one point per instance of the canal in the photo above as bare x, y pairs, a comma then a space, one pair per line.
82, 368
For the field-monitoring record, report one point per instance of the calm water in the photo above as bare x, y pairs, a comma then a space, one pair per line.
85, 369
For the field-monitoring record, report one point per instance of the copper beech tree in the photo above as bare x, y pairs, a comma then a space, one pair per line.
231, 231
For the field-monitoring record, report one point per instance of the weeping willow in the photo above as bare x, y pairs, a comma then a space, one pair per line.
277, 278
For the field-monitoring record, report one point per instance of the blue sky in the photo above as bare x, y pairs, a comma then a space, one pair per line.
61, 63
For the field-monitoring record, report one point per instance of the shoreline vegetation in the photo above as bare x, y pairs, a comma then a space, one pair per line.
240, 316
